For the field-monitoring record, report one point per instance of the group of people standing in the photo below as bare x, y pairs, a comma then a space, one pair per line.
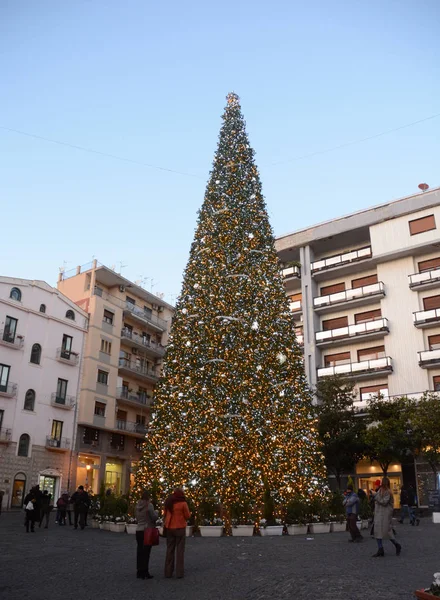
38, 506
176, 515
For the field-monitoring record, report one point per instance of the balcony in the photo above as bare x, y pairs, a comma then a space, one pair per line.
144, 316
140, 399
353, 296
426, 318
67, 357
9, 390
341, 260
293, 272
429, 359
66, 402
296, 307
425, 280
368, 330
142, 342
130, 427
359, 370
133, 368
15, 342
59, 445
5, 435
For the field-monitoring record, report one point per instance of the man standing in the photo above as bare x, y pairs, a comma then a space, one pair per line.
351, 503
80, 501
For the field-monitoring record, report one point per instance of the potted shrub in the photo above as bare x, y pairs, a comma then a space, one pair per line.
117, 525
211, 527
296, 517
271, 527
130, 525
107, 521
96, 520
365, 512
320, 516
243, 520
431, 592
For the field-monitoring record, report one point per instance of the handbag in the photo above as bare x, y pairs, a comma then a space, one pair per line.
151, 536
29, 506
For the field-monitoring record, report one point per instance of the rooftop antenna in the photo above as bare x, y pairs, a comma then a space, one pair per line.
423, 187
63, 268
121, 266
153, 284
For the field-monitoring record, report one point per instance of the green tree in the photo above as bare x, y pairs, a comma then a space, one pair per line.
341, 430
426, 422
233, 417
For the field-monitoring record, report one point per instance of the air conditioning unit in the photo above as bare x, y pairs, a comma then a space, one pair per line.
155, 307
160, 309
122, 288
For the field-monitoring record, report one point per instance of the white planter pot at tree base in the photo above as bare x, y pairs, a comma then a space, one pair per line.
315, 528
130, 528
211, 530
436, 517
271, 530
107, 526
117, 527
364, 523
297, 529
95, 524
189, 530
338, 527
243, 531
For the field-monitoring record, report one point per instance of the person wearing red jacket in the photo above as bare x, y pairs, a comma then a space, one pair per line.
176, 515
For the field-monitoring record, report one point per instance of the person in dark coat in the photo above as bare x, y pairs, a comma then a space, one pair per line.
351, 503
146, 518
81, 503
404, 505
30, 506
46, 508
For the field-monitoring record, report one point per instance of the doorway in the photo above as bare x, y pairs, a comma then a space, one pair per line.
48, 483
18, 490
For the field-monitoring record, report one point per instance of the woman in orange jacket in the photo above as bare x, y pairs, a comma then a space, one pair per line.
176, 515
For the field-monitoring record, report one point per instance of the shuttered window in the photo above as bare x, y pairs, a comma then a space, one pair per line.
362, 281
332, 289
434, 342
431, 302
335, 323
369, 315
331, 360
436, 382
295, 298
381, 389
371, 353
428, 265
422, 225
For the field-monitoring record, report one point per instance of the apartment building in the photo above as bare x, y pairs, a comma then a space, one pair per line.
41, 344
128, 331
365, 289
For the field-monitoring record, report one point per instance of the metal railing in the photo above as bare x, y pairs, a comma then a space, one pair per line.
61, 443
143, 341
341, 259
139, 312
67, 356
131, 427
124, 363
358, 368
374, 289
62, 401
9, 390
365, 328
290, 272
417, 279
140, 398
5, 435
80, 269
295, 306
425, 316
427, 357
14, 341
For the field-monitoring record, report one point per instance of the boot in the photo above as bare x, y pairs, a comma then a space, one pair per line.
379, 552
398, 549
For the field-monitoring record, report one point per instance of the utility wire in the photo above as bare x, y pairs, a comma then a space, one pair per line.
84, 149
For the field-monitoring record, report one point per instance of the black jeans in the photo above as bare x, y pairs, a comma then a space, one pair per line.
81, 514
352, 527
142, 555
30, 519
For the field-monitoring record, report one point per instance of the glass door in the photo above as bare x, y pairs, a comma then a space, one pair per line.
56, 433
66, 347
10, 329
4, 377
61, 391
48, 483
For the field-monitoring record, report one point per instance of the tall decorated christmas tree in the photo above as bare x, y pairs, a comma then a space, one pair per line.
232, 417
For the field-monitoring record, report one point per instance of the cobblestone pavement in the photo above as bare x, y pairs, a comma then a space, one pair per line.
60, 563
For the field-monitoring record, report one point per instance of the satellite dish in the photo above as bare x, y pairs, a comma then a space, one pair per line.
423, 187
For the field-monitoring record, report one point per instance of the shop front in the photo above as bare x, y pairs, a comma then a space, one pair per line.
50, 480
369, 475
87, 472
18, 490
113, 475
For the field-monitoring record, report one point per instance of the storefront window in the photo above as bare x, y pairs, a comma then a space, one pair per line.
113, 476
87, 472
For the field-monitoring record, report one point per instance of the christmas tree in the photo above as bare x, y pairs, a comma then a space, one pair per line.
233, 418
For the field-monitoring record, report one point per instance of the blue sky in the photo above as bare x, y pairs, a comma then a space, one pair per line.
148, 81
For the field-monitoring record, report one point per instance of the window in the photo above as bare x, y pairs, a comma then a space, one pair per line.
66, 346
102, 377
369, 315
36, 354
130, 300
148, 312
62, 390
91, 436
429, 265
436, 382
363, 281
434, 342
42, 308
142, 394
108, 317
374, 390
10, 329
15, 294
100, 409
422, 225
138, 445
117, 441
29, 400
431, 303
4, 377
2, 413
57, 430
332, 360
106, 346
70, 315
335, 323
23, 445
371, 353
140, 419
333, 289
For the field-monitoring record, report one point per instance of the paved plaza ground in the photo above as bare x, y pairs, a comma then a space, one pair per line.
60, 563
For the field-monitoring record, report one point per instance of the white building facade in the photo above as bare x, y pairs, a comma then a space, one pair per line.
41, 344
365, 289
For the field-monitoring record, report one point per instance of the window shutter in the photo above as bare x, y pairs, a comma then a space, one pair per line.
362, 281
337, 359
333, 289
428, 265
431, 302
422, 225
371, 353
335, 323
369, 315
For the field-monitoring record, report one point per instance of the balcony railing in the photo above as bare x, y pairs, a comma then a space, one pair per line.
291, 272
9, 390
57, 444
429, 358
374, 289
144, 315
131, 427
142, 341
295, 306
5, 435
12, 341
365, 397
424, 279
67, 356
360, 329
356, 369
141, 399
67, 402
341, 259
124, 363
423, 318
